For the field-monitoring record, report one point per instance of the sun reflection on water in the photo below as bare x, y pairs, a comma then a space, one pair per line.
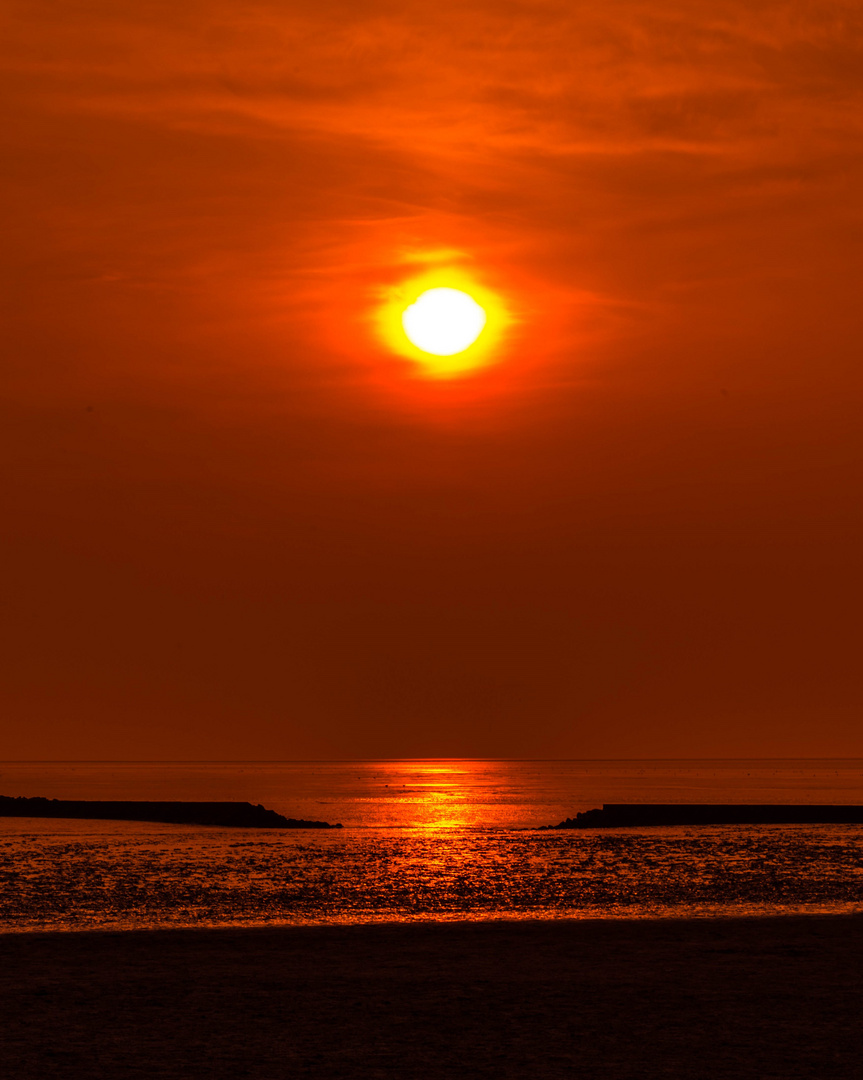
442, 839
440, 795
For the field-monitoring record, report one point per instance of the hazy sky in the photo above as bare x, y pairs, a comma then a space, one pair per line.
235, 524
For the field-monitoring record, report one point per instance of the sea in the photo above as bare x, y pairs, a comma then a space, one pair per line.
432, 840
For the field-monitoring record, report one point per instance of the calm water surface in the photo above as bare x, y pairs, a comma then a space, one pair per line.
423, 840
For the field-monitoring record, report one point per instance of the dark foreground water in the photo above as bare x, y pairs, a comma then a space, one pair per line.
445, 840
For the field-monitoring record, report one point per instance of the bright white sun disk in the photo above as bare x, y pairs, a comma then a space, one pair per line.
443, 321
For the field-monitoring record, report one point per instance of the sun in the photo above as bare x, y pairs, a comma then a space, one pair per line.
443, 321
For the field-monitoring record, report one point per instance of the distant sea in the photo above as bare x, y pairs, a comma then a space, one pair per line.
423, 840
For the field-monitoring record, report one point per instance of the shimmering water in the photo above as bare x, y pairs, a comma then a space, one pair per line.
423, 840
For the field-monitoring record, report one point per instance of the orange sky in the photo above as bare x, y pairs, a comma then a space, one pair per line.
237, 525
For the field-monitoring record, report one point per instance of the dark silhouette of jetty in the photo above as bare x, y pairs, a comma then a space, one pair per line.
232, 814
630, 815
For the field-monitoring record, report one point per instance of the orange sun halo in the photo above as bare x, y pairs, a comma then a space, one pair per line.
445, 322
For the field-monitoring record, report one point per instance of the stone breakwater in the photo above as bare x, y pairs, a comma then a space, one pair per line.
226, 814
633, 815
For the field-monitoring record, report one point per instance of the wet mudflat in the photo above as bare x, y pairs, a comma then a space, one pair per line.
704, 998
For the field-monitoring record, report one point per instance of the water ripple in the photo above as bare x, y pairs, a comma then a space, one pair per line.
159, 876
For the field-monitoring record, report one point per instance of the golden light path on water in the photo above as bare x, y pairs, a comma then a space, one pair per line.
443, 840
124, 875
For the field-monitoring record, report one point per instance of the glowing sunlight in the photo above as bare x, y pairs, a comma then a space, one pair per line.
445, 322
